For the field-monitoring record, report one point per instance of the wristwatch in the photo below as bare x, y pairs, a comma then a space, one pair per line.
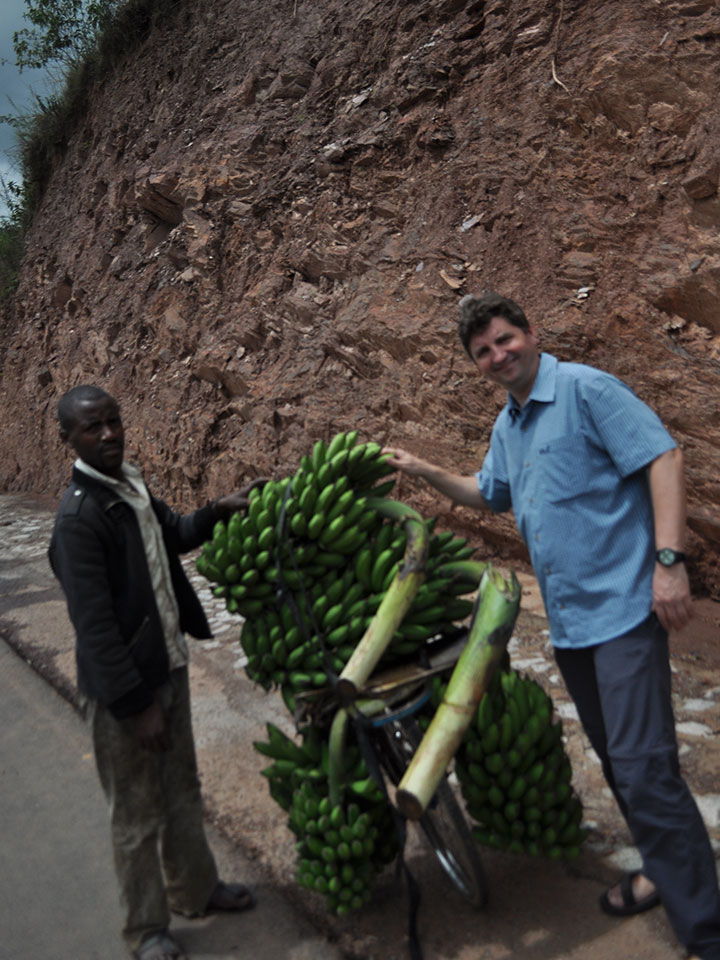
669, 557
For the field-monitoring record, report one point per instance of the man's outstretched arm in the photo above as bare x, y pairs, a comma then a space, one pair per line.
463, 490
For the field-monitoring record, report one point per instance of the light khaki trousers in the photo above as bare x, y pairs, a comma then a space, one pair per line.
162, 858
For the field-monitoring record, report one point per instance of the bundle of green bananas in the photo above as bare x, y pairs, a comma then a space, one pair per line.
340, 846
293, 763
298, 527
309, 564
514, 773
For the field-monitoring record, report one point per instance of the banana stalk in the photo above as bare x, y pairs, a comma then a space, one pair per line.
336, 756
493, 619
395, 604
466, 569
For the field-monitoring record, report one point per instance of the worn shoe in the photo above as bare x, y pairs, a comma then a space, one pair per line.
230, 896
630, 905
160, 946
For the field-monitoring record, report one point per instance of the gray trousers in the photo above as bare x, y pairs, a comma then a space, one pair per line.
622, 693
162, 858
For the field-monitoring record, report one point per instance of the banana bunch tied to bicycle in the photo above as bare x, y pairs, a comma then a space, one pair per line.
320, 538
308, 566
514, 774
344, 829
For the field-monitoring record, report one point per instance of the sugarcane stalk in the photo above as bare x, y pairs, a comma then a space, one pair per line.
491, 627
395, 604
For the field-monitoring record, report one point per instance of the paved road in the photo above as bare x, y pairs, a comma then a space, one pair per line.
57, 894
57, 889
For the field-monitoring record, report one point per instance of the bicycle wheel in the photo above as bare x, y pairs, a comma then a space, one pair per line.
443, 823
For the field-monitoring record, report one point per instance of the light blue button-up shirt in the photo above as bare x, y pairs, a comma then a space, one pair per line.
570, 463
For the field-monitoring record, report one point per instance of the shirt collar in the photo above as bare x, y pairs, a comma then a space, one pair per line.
130, 472
543, 390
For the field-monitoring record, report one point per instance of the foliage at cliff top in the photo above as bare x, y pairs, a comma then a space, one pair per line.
82, 40
62, 31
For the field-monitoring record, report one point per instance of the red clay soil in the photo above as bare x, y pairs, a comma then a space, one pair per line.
259, 233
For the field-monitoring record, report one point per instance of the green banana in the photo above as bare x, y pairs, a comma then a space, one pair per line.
336, 445
326, 497
331, 531
338, 462
319, 452
308, 499
381, 565
363, 567
343, 505
348, 541
316, 525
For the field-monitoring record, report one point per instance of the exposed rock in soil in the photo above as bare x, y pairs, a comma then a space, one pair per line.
260, 232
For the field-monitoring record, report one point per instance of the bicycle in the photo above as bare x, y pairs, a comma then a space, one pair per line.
386, 709
443, 823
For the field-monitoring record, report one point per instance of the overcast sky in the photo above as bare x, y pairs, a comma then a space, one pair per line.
16, 89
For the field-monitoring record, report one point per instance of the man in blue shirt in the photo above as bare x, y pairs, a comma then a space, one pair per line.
597, 487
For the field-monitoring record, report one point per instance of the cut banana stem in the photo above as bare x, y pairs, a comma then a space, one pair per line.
395, 604
394, 510
463, 569
491, 627
336, 756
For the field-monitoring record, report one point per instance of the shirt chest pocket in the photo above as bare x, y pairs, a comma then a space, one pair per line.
564, 467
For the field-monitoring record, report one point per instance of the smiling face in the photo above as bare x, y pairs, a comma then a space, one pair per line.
507, 355
97, 435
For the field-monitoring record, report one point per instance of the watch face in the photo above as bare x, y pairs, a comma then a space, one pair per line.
666, 557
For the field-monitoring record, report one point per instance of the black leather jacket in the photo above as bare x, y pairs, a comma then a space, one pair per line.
97, 554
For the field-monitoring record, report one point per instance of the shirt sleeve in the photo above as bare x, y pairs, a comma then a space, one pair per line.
618, 421
493, 477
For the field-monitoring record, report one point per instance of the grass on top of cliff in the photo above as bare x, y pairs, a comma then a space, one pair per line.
80, 41
11, 243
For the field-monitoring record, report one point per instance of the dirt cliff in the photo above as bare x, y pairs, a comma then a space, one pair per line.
260, 232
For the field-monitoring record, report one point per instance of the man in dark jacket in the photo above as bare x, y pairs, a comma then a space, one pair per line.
115, 549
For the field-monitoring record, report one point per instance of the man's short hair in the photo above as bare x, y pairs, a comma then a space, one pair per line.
67, 405
476, 312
